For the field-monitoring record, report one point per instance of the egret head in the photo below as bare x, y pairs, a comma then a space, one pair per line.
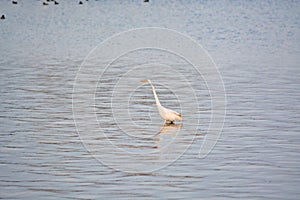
144, 81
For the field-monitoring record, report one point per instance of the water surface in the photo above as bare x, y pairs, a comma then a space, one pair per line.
256, 48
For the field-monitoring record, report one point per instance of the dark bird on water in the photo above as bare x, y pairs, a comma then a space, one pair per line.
14, 2
45, 4
3, 17
80, 2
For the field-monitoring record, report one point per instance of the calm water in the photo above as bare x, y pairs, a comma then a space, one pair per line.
256, 48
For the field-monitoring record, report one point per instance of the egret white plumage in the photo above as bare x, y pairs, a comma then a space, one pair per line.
167, 114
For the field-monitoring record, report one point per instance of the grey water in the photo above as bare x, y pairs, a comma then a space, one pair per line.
45, 155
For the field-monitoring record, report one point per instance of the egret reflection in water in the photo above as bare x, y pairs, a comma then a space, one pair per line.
169, 129
167, 135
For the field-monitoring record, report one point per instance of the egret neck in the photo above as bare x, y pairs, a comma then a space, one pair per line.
155, 95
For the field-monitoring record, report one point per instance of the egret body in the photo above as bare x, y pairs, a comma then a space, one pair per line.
167, 114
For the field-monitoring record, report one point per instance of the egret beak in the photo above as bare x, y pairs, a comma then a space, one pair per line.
144, 81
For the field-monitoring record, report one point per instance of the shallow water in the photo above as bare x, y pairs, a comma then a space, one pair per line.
255, 46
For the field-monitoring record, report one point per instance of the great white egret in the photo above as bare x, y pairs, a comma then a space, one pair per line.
168, 115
